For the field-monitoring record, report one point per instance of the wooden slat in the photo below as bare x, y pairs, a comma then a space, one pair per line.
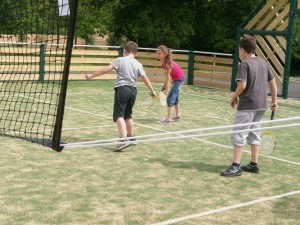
156, 79
279, 18
180, 56
154, 71
183, 65
23, 68
19, 59
100, 52
220, 60
19, 50
86, 60
269, 53
213, 76
270, 15
17, 77
277, 49
259, 15
213, 68
146, 55
80, 68
149, 62
81, 76
212, 84
284, 25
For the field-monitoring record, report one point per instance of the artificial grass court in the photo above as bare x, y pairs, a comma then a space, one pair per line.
150, 183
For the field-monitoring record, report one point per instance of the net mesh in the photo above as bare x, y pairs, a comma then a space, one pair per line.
33, 62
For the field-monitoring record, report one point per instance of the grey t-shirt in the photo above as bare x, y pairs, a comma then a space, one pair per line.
256, 73
128, 70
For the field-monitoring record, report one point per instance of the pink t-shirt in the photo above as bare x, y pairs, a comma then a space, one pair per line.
176, 72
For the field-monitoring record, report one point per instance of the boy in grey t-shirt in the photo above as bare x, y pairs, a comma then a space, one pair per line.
128, 70
253, 77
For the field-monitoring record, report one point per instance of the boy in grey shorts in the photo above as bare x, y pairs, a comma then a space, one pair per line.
251, 99
128, 70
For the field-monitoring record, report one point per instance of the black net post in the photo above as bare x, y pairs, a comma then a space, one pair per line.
61, 105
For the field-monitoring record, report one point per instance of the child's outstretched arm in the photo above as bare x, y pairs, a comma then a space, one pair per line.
100, 72
149, 85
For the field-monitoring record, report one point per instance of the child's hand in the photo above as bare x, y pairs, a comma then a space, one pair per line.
274, 107
233, 102
153, 94
88, 76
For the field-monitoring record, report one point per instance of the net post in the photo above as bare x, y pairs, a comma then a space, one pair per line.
62, 98
42, 63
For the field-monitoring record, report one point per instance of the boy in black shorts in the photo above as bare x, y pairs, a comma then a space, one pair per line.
128, 70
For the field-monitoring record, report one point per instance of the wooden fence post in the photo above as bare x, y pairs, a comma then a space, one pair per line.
42, 63
191, 68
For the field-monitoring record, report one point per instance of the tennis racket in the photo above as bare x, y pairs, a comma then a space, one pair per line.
268, 141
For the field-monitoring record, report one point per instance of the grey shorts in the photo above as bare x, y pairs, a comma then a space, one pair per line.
253, 137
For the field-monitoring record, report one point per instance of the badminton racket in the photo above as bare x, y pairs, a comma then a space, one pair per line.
148, 101
268, 141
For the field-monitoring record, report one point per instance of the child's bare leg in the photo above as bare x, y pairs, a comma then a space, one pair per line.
177, 110
129, 126
122, 127
169, 113
237, 154
254, 153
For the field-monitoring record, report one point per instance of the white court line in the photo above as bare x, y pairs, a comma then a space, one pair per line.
223, 209
161, 130
86, 112
92, 127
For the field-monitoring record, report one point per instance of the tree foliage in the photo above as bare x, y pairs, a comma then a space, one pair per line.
205, 25
154, 23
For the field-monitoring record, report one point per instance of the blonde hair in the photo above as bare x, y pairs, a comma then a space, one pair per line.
168, 58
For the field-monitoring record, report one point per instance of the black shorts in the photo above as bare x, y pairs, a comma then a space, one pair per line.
124, 101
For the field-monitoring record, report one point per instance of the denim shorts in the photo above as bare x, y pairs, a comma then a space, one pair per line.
252, 137
173, 96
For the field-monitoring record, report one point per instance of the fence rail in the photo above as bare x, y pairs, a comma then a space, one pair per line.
201, 68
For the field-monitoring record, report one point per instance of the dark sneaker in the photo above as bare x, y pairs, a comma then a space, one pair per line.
165, 122
232, 171
176, 118
120, 147
251, 169
132, 141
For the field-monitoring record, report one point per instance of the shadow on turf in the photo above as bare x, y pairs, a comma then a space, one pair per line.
189, 165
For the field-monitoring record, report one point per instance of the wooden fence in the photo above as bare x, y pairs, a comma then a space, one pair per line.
201, 68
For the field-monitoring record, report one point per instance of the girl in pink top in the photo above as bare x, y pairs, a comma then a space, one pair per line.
174, 72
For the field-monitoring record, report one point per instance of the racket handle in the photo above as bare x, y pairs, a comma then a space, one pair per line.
272, 115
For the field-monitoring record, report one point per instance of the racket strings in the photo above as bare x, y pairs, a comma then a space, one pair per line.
147, 102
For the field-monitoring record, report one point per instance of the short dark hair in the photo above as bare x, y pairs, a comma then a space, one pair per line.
248, 44
131, 47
